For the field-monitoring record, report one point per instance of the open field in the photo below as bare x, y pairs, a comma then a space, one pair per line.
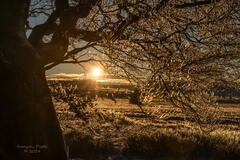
114, 129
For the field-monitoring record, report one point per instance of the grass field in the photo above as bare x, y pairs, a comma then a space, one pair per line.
113, 129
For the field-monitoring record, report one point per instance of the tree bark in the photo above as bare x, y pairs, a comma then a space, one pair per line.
29, 127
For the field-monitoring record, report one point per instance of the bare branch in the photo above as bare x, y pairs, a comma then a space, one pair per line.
89, 36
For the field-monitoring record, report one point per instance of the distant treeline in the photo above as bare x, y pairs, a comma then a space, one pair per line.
89, 84
115, 90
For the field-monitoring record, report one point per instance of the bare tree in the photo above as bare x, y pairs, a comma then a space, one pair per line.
177, 50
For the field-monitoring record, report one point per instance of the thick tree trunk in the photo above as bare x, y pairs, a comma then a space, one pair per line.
29, 127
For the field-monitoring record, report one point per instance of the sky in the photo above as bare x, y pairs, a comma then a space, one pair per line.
65, 68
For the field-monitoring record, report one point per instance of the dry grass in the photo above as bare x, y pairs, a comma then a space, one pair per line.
184, 143
122, 129
113, 129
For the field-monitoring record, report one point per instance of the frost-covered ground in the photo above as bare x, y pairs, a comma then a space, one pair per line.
119, 130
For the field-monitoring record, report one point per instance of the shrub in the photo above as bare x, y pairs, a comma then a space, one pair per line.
72, 96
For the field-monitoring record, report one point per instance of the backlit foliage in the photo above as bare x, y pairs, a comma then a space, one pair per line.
176, 51
178, 54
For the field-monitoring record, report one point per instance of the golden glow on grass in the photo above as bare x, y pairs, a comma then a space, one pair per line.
96, 72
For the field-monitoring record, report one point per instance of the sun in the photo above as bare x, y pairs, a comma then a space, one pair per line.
96, 72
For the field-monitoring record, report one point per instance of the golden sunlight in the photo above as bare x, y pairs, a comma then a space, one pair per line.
97, 72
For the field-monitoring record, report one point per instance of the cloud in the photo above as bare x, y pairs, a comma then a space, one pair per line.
65, 76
